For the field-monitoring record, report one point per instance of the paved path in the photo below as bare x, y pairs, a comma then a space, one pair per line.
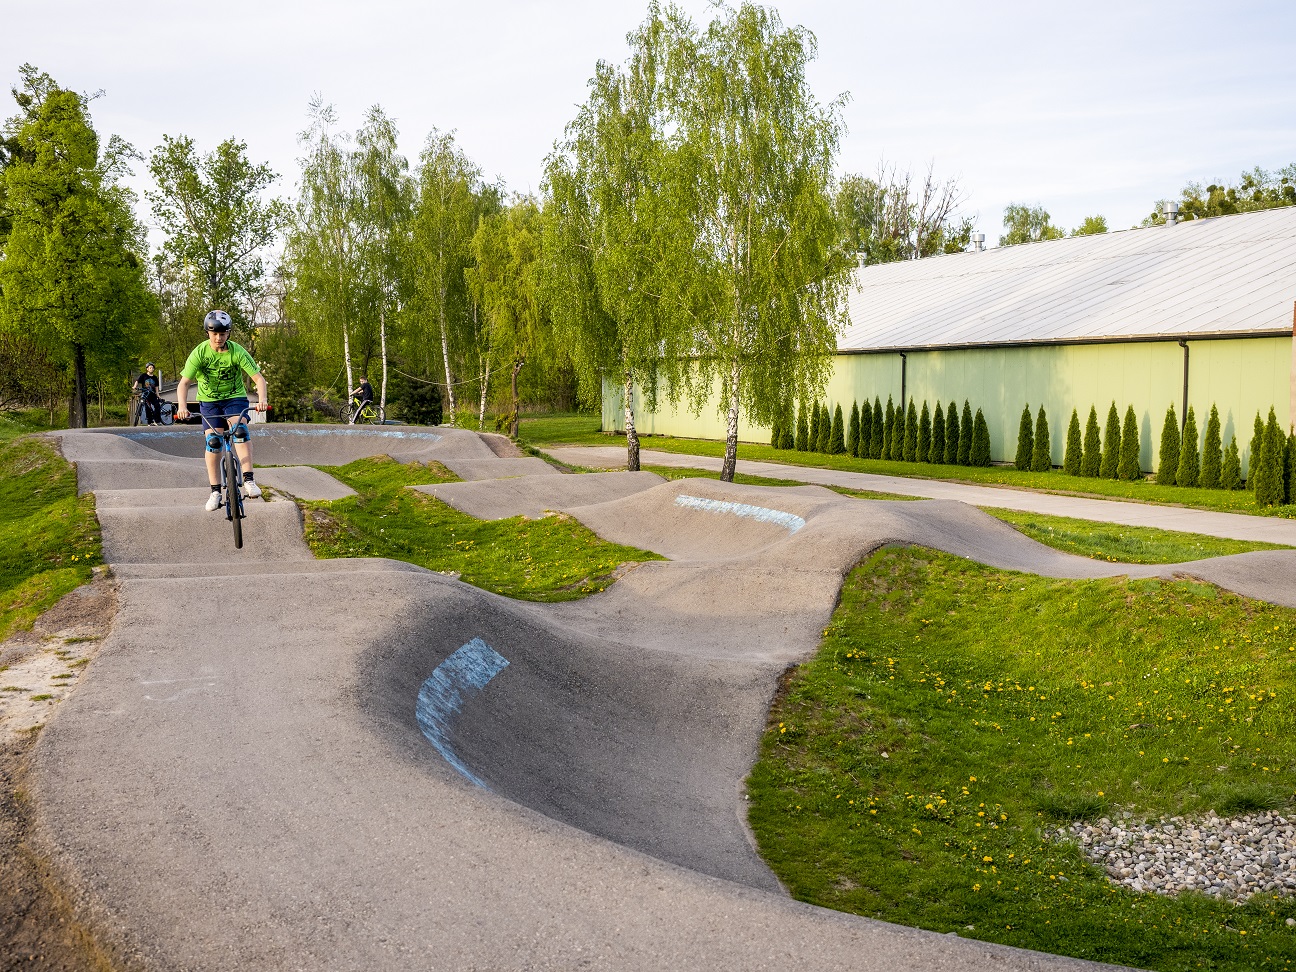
1234, 526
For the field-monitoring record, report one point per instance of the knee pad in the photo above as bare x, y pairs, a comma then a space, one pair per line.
241, 433
213, 442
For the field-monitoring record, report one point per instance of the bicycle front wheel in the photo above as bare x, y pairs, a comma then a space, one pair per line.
233, 498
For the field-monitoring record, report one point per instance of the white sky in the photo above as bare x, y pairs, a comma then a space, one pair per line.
1100, 107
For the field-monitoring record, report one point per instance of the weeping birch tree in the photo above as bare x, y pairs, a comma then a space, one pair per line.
752, 165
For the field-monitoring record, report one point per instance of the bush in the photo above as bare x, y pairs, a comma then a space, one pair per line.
1212, 454
865, 442
937, 453
1042, 453
815, 422
776, 434
1257, 441
888, 430
980, 455
879, 431
1091, 460
911, 433
419, 402
951, 435
853, 430
1111, 445
1025, 441
825, 429
924, 435
1168, 461
802, 442
1189, 471
1129, 467
1074, 450
965, 435
1269, 467
837, 436
1231, 470
1289, 459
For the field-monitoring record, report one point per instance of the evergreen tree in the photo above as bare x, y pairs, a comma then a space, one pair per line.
1042, 453
888, 430
1091, 460
879, 430
837, 437
802, 430
911, 433
1231, 471
1168, 466
1189, 470
980, 441
1212, 454
924, 435
1130, 466
1025, 441
853, 430
1253, 457
1289, 460
864, 444
1269, 467
1074, 449
1111, 445
937, 453
776, 434
965, 435
825, 428
815, 422
951, 435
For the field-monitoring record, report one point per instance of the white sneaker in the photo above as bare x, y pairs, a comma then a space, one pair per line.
251, 490
213, 502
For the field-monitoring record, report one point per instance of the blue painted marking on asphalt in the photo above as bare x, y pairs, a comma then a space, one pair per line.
442, 696
789, 520
259, 431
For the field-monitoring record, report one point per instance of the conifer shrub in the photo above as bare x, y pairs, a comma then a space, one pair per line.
802, 430
825, 429
875, 444
1091, 460
1042, 453
911, 433
924, 435
898, 434
888, 430
776, 434
837, 437
853, 430
1231, 469
789, 436
1111, 445
814, 427
1289, 459
965, 435
980, 455
1168, 461
863, 442
1074, 448
937, 453
951, 435
1189, 471
1269, 467
1129, 467
1212, 457
1253, 457
1025, 441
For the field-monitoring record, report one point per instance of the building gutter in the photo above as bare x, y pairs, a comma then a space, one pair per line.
1077, 342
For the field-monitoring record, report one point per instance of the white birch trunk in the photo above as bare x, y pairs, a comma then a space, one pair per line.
485, 382
632, 434
731, 427
382, 337
445, 354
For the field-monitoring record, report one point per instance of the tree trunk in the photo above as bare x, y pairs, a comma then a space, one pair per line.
77, 407
445, 354
485, 382
346, 357
382, 336
731, 428
632, 434
513, 424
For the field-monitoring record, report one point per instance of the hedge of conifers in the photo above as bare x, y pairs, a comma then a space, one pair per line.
874, 432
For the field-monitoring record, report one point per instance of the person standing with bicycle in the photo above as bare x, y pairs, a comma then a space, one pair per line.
217, 365
146, 385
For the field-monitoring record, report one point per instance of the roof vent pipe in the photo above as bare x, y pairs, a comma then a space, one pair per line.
978, 242
1171, 210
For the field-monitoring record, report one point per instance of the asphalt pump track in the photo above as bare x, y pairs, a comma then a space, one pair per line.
276, 762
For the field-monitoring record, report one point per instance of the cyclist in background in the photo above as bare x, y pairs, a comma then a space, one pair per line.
147, 386
217, 365
362, 394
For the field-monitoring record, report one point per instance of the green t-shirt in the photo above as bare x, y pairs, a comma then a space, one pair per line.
217, 372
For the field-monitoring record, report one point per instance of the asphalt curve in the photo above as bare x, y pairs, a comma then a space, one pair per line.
283, 763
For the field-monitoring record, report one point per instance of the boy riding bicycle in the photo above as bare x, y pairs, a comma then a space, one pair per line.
216, 365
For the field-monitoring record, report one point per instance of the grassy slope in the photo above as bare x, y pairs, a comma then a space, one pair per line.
583, 430
49, 539
551, 559
1004, 703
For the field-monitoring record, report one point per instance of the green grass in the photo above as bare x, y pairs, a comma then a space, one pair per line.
49, 539
954, 712
1124, 544
583, 430
550, 559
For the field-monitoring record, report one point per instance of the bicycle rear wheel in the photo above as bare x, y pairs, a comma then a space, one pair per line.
233, 497
167, 413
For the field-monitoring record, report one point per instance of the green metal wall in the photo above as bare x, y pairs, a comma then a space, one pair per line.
1240, 377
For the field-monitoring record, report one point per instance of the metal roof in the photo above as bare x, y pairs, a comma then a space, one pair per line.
1227, 276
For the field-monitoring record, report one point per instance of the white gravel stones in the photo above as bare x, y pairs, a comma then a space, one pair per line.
1225, 859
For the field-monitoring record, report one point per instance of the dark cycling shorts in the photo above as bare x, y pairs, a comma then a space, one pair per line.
219, 415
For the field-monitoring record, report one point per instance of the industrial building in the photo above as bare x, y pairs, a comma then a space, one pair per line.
1190, 313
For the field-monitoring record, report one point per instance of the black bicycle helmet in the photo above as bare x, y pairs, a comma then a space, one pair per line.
217, 320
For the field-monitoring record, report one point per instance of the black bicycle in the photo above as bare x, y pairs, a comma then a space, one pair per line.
231, 473
166, 411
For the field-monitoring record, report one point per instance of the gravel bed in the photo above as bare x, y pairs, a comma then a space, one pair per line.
1226, 859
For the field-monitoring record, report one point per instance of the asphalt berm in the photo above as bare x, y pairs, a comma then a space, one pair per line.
282, 763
